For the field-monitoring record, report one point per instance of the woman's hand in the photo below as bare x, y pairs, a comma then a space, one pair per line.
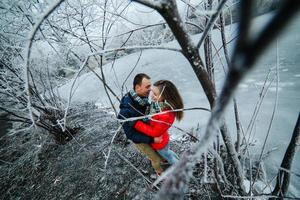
158, 139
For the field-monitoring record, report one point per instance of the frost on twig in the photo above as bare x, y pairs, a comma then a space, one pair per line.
28, 52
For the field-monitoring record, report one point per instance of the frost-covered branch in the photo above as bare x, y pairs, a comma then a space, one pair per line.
236, 113
146, 27
130, 73
136, 169
220, 163
71, 92
111, 145
211, 22
102, 52
273, 112
208, 48
259, 102
163, 112
28, 52
107, 86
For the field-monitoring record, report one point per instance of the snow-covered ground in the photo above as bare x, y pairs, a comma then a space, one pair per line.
162, 64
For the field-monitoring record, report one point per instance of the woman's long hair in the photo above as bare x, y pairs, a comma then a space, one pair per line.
170, 94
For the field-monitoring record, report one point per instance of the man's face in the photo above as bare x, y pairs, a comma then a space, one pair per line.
144, 89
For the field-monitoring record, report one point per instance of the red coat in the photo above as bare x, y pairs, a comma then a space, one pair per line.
159, 125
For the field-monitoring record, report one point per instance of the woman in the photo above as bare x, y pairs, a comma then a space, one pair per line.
165, 98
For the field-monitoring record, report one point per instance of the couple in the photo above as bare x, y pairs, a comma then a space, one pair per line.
151, 136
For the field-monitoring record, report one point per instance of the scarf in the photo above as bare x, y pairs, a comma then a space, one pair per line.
142, 101
155, 107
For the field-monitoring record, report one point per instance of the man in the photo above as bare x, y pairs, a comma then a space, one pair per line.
134, 104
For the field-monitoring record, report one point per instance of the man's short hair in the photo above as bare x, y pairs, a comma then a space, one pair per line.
139, 78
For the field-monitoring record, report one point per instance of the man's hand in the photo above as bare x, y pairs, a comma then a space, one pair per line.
158, 139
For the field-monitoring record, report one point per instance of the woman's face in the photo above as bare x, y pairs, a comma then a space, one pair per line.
156, 94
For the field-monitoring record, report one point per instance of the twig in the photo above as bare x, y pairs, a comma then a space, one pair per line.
111, 145
211, 22
136, 169
259, 102
28, 52
131, 71
273, 113
164, 112
220, 163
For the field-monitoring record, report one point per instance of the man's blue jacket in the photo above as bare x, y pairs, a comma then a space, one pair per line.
131, 108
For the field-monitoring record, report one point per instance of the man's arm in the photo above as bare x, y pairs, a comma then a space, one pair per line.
137, 137
159, 125
127, 111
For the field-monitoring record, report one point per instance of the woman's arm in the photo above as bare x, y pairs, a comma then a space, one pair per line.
159, 124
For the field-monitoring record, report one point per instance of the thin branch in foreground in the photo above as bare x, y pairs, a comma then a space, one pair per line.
136, 169
160, 113
111, 145
28, 52
273, 114
131, 71
70, 94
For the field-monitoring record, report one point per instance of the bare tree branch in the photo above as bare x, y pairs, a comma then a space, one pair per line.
211, 22
28, 52
111, 145
140, 173
273, 113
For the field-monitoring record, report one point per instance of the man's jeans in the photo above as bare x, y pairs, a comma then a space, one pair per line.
169, 155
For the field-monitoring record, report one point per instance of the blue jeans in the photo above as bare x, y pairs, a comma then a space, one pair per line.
169, 155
